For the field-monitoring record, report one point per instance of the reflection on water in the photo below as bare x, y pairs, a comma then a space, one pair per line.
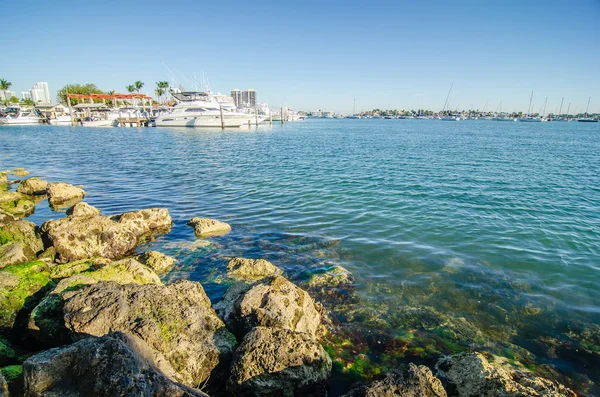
471, 235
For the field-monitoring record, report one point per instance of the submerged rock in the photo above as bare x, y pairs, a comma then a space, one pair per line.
271, 302
279, 362
24, 232
410, 382
113, 365
204, 227
20, 172
80, 237
60, 192
157, 261
251, 269
175, 320
15, 253
83, 209
33, 186
473, 375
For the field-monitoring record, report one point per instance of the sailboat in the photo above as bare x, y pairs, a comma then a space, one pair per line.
354, 116
560, 117
448, 117
587, 119
529, 118
500, 117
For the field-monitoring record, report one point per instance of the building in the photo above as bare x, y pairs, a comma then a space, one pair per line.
5, 95
244, 99
25, 95
40, 93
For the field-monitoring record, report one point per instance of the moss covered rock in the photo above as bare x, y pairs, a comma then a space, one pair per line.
251, 269
157, 261
13, 375
14, 253
7, 353
16, 204
24, 232
34, 280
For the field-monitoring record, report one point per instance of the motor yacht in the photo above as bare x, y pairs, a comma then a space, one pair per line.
18, 116
199, 109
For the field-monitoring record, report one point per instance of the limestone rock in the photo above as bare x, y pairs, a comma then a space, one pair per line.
175, 320
83, 209
410, 382
113, 365
20, 172
334, 276
271, 302
80, 237
6, 218
16, 204
473, 375
60, 192
279, 362
24, 232
33, 186
14, 253
251, 269
157, 261
48, 255
204, 227
33, 281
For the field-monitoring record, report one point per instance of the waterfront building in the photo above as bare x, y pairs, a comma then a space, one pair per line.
5, 95
244, 99
40, 93
25, 95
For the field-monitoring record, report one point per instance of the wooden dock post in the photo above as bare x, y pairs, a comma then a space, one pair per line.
222, 121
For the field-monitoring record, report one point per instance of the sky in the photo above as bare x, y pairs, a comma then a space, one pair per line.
314, 55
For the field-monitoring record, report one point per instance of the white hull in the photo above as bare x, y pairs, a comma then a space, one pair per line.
529, 120
503, 119
100, 123
19, 121
449, 118
204, 121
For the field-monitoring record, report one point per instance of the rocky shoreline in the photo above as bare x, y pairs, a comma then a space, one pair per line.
83, 313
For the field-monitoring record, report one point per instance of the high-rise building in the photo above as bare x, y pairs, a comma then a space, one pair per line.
40, 93
249, 98
237, 97
4, 95
25, 95
244, 99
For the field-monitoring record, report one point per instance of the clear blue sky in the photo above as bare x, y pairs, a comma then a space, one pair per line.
317, 54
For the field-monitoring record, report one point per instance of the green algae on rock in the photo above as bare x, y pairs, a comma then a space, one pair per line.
24, 232
251, 269
157, 261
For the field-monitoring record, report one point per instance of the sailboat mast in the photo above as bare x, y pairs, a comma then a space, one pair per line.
544, 111
354, 110
588, 106
530, 99
447, 97
561, 103
568, 109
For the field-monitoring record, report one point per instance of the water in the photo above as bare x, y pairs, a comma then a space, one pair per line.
497, 223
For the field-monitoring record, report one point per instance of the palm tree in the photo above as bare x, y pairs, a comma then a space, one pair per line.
159, 93
138, 85
5, 86
130, 88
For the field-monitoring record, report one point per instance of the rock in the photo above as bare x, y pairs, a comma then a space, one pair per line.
271, 302
473, 375
14, 253
24, 232
410, 382
20, 172
3, 386
48, 255
33, 186
279, 362
113, 365
157, 261
60, 192
33, 281
175, 320
16, 204
3, 179
204, 227
77, 237
251, 269
335, 276
46, 323
9, 280
83, 209
13, 376
6, 218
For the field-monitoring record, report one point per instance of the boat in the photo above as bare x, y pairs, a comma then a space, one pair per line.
199, 109
529, 118
587, 119
18, 116
448, 117
61, 120
502, 117
102, 119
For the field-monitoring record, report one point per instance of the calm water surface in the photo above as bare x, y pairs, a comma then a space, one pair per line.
498, 223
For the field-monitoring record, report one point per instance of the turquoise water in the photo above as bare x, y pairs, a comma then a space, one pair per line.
498, 223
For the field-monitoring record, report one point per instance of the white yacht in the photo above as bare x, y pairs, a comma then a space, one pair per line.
199, 109
61, 120
18, 116
105, 118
